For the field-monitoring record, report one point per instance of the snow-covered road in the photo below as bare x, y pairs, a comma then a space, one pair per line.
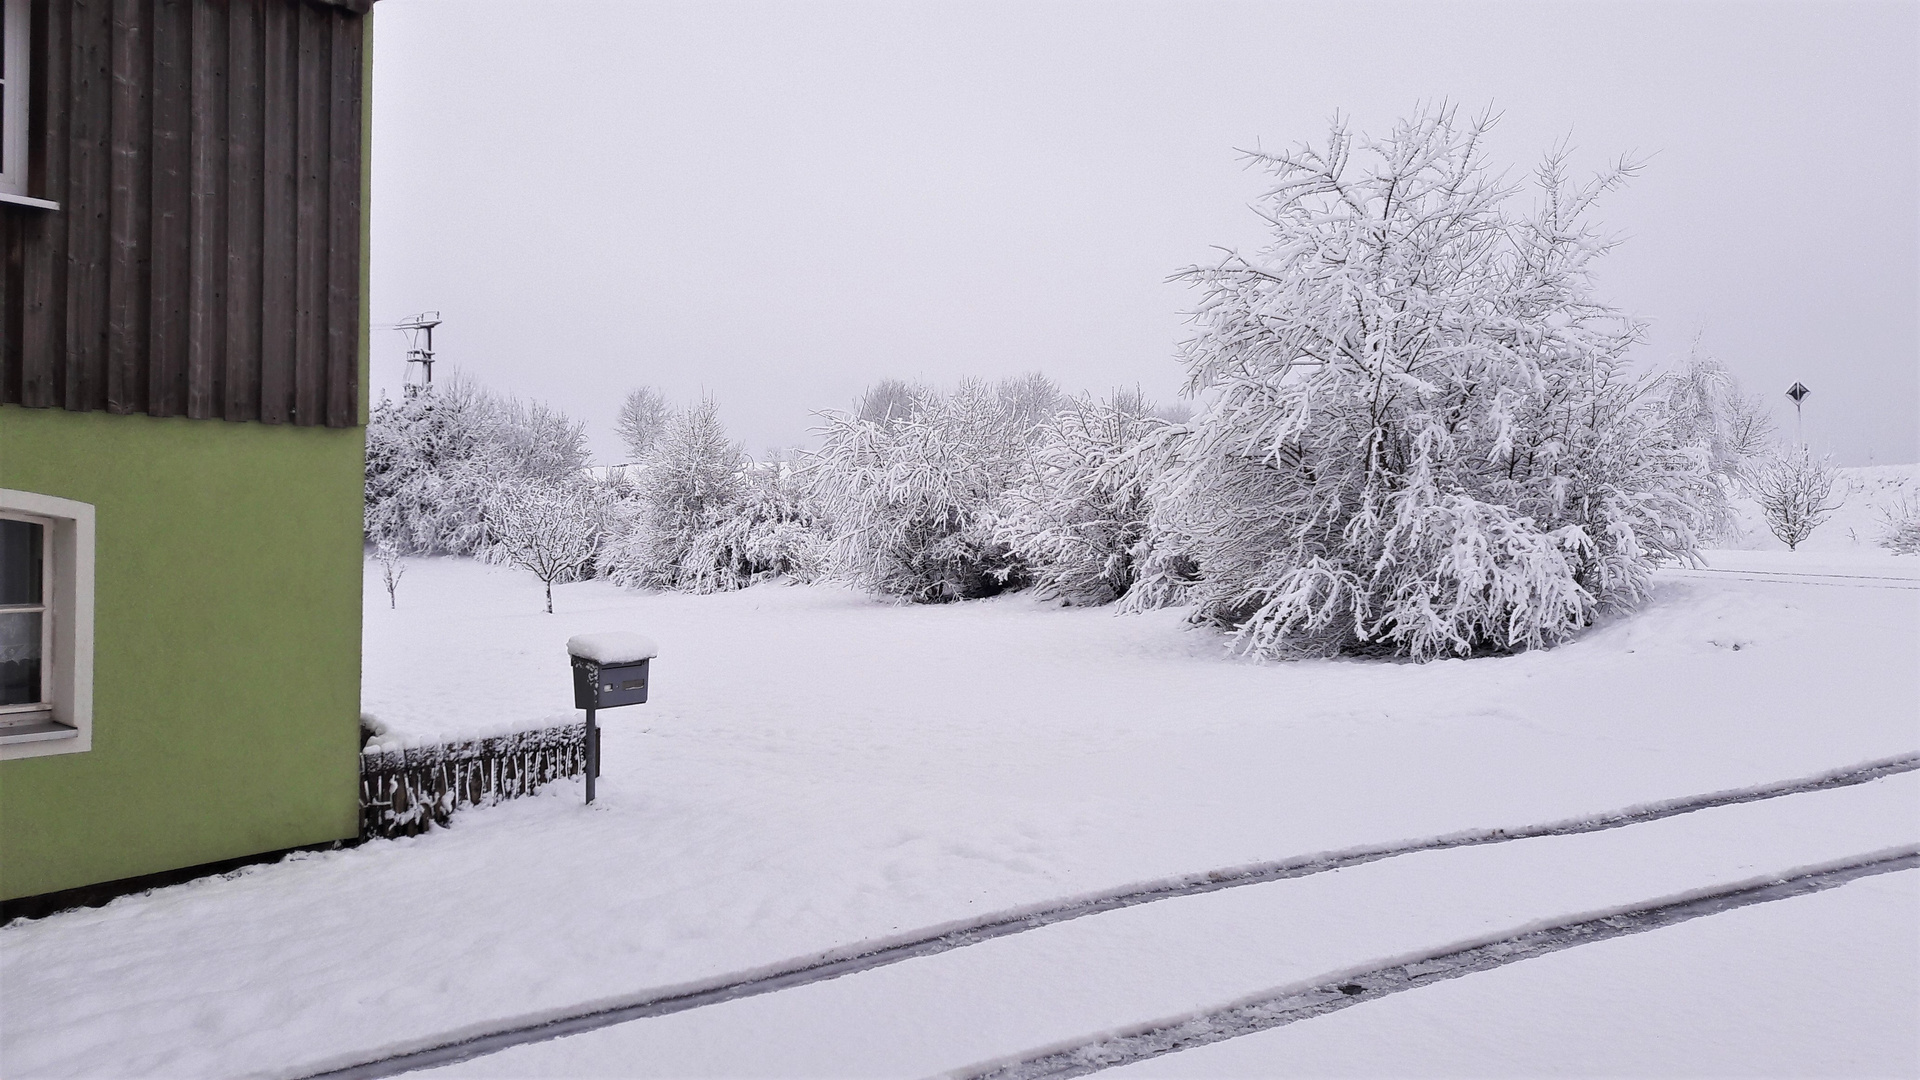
817, 771
935, 940
1003, 998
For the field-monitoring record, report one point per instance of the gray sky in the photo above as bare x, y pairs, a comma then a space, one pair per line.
781, 203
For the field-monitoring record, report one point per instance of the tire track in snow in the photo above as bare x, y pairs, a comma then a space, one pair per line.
1339, 990
488, 1038
1800, 573
1798, 577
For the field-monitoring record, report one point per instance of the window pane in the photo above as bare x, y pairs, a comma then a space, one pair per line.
20, 552
20, 657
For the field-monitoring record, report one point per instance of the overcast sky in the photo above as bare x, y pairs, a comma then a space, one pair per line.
778, 204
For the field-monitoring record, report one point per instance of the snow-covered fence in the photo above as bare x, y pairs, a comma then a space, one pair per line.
403, 790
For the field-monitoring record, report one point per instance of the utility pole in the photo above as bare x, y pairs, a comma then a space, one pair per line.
423, 355
1798, 392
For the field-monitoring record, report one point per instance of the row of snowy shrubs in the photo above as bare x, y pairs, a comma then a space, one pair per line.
1417, 433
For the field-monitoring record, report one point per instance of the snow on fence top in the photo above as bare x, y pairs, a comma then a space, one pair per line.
613, 647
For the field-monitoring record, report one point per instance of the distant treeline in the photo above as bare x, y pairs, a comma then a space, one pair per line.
1417, 433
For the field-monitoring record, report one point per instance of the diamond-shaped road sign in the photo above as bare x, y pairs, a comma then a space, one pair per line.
1797, 391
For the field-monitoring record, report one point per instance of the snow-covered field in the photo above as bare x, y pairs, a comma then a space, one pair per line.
817, 769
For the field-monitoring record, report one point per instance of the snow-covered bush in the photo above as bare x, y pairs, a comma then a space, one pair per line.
553, 531
910, 482
1418, 433
1080, 521
773, 530
433, 458
1900, 526
1795, 492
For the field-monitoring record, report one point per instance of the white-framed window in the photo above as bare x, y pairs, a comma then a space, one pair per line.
46, 625
26, 626
15, 58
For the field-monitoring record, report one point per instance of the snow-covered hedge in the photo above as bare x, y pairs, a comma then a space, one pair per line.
406, 790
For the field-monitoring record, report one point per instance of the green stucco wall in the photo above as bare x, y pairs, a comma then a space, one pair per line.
226, 646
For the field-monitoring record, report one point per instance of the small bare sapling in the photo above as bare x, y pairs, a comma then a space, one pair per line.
1795, 492
387, 554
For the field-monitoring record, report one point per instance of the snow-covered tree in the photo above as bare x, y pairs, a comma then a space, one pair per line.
1080, 520
551, 530
1029, 401
887, 399
1419, 435
1706, 409
433, 458
1795, 492
689, 484
643, 416
424, 477
532, 441
910, 487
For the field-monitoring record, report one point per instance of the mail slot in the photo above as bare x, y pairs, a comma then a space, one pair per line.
605, 686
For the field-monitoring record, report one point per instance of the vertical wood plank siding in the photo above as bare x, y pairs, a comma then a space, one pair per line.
205, 258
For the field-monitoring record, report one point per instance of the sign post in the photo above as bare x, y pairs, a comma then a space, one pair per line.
593, 753
609, 670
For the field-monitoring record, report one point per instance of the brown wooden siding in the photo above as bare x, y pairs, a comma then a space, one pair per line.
206, 257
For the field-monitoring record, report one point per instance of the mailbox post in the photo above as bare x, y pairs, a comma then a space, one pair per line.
609, 670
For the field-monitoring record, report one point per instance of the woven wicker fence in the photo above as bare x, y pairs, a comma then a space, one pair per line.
404, 792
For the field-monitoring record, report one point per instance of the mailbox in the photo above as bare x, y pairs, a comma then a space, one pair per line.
606, 686
609, 670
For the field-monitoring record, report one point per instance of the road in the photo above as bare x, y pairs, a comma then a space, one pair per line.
1019, 1005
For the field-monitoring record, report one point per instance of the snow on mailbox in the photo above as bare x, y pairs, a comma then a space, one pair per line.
609, 670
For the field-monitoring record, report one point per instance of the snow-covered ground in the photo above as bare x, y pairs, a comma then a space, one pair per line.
817, 769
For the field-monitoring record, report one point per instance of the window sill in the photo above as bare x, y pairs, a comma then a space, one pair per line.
37, 731
28, 200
